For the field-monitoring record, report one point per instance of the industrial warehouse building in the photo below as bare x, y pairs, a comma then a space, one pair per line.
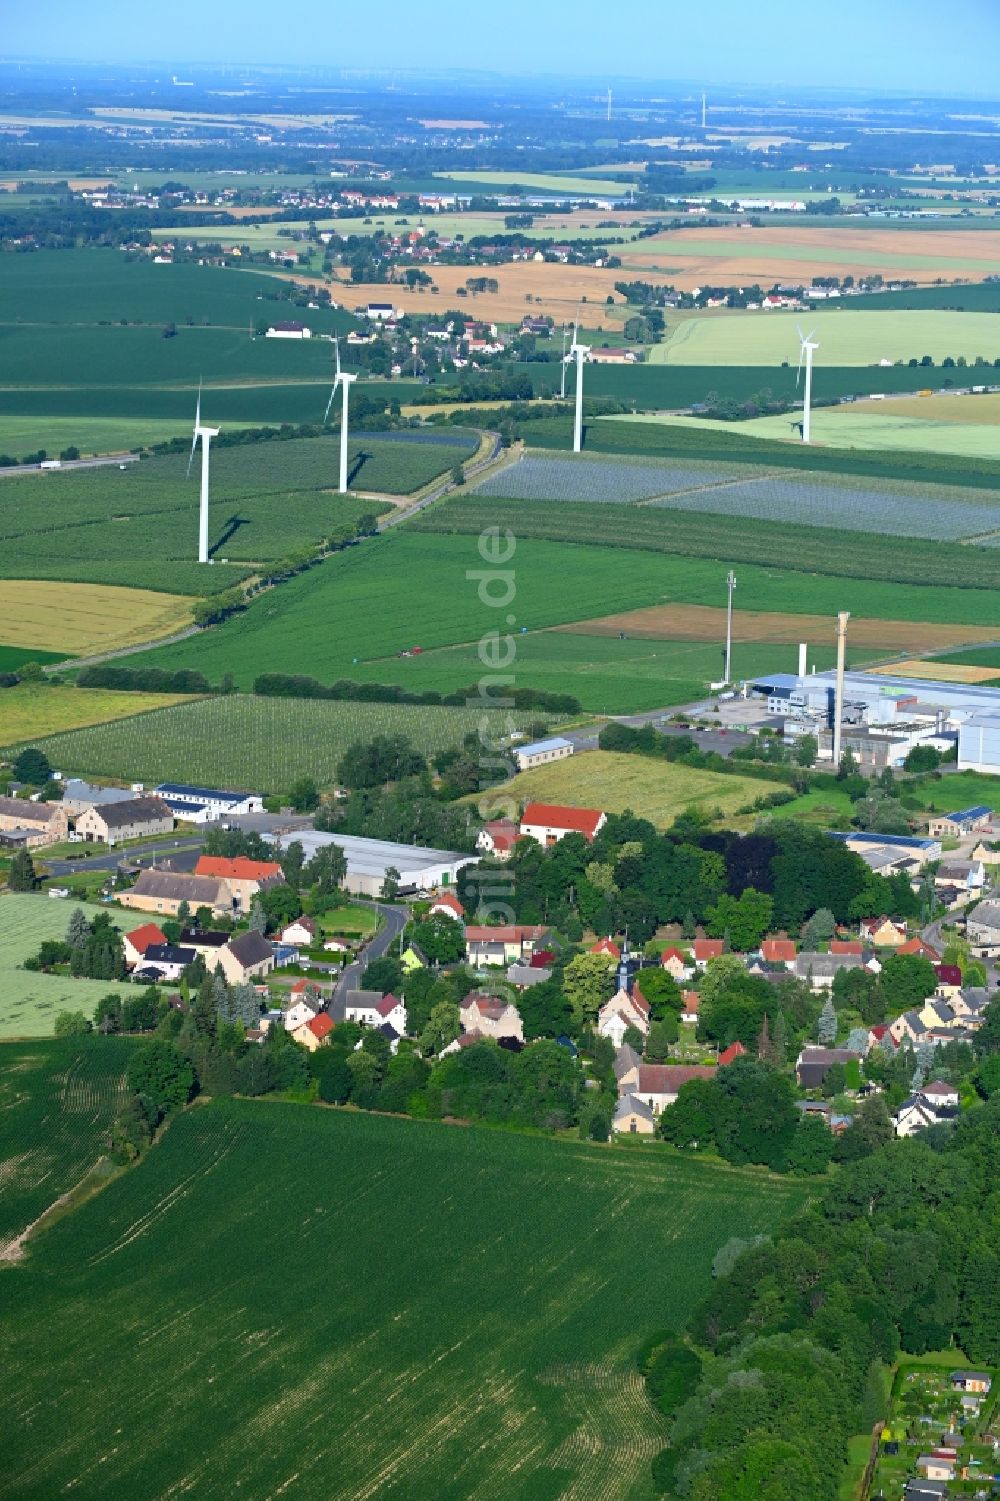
368, 860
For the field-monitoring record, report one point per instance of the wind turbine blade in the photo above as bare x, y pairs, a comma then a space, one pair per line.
197, 410
329, 404
197, 426
194, 445
336, 353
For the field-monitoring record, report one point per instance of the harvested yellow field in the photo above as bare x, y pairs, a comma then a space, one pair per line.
707, 623
977, 410
942, 672
83, 618
657, 790
524, 287
31, 711
727, 255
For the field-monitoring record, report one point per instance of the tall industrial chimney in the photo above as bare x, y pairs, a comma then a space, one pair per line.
802, 659
838, 707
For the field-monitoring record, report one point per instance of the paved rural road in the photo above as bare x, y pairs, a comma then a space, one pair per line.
394, 920
472, 471
186, 850
110, 460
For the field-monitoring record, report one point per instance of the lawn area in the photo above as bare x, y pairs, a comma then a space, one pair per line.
57, 1101
30, 1003
421, 1386
657, 790
845, 336
348, 921
825, 809
961, 789
413, 588
29, 712
256, 743
23, 435
77, 619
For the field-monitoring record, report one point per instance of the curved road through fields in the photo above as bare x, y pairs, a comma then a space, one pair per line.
393, 921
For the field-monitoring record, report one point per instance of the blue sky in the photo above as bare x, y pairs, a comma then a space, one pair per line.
920, 45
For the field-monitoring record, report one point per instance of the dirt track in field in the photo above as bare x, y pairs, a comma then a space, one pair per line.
707, 623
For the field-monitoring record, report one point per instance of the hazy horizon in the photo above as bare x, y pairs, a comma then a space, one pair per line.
904, 45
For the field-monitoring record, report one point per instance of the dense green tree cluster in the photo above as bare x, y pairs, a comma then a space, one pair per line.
901, 1252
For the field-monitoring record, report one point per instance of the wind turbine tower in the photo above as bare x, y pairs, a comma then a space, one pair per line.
730, 585
807, 348
206, 434
343, 380
579, 353
562, 382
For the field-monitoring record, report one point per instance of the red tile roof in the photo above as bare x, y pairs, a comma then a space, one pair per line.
708, 948
691, 1000
450, 900
238, 869
606, 946
918, 946
321, 1026
948, 974
846, 946
512, 933
673, 953
142, 938
558, 816
387, 1005
729, 1055
503, 833
777, 950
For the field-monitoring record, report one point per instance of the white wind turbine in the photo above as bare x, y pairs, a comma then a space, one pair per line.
206, 434
807, 348
562, 382
579, 353
343, 380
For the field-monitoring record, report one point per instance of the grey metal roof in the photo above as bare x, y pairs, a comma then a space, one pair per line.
135, 810
630, 1104
372, 857
76, 790
176, 886
206, 794
555, 743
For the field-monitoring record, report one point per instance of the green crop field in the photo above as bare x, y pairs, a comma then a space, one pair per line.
30, 1003
105, 286
412, 588
259, 743
267, 501
847, 427
845, 337
13, 657
57, 1101
655, 385
440, 1319
607, 675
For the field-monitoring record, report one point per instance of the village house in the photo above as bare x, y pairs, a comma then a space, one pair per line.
968, 875
883, 933
819, 970
244, 878
814, 1063
940, 1465
778, 951
982, 928
971, 1381
300, 934
690, 1006
139, 940
312, 1033
607, 948
511, 944
549, 822
676, 964
246, 956
491, 1016
846, 946
164, 961
371, 1008
498, 838
633, 1117
659, 1084
304, 1002
447, 904
165, 891
729, 1055
705, 949
135, 819
44, 823
920, 946
626, 1068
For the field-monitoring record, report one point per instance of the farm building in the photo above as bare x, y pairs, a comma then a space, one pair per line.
541, 752
979, 743
966, 821
368, 861
607, 355
203, 804
550, 822
498, 838
381, 312
245, 878
134, 819
44, 823
164, 891
659, 1084
288, 331
78, 795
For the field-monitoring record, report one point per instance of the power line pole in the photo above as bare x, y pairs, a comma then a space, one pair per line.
731, 585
